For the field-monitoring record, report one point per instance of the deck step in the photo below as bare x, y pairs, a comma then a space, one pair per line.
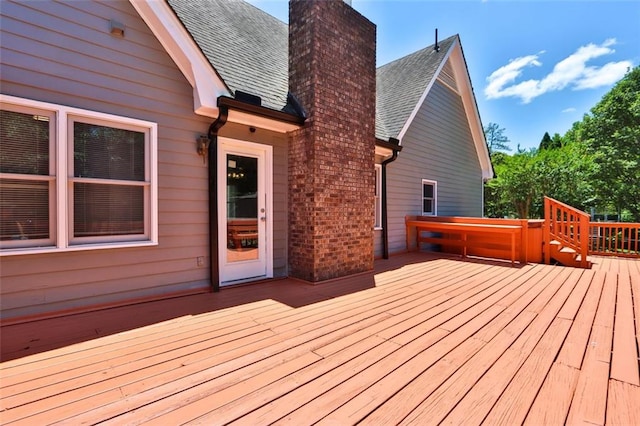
566, 255
568, 250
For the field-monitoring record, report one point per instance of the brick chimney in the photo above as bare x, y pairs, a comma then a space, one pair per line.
332, 55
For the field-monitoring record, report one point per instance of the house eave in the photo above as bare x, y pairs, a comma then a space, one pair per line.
259, 116
206, 83
471, 108
387, 148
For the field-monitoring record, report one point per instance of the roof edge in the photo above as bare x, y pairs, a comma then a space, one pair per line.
468, 100
170, 32
391, 144
471, 108
416, 109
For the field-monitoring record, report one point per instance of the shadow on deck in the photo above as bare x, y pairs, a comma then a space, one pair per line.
30, 337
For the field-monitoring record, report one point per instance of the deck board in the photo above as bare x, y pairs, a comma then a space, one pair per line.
635, 290
100, 363
572, 352
552, 403
347, 390
622, 404
423, 339
590, 399
489, 389
624, 360
516, 400
438, 405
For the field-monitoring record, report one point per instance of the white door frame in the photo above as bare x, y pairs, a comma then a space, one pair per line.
243, 271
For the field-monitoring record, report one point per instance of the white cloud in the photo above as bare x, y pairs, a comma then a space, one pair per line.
570, 72
570, 109
506, 75
603, 76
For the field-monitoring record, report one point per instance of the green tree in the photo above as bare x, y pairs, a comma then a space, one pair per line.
515, 186
595, 164
496, 140
564, 173
549, 142
495, 203
524, 178
612, 133
546, 142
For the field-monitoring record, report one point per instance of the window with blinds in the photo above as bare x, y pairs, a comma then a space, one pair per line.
27, 181
106, 187
109, 181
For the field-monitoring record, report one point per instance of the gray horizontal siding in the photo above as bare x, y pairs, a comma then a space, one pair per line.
378, 249
63, 53
437, 146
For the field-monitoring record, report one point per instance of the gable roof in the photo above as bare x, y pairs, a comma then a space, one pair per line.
400, 85
247, 49
403, 85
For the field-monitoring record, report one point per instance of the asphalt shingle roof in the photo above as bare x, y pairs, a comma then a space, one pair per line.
249, 50
401, 83
247, 47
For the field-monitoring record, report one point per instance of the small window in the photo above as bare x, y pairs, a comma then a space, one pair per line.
429, 197
378, 197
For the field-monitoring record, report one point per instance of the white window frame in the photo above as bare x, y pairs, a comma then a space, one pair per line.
50, 177
434, 200
61, 174
378, 198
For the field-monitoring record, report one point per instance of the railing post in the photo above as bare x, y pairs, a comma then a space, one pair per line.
524, 240
584, 240
547, 231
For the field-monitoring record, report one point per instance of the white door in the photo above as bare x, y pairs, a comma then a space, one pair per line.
244, 211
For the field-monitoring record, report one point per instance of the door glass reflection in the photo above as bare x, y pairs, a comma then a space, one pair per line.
242, 208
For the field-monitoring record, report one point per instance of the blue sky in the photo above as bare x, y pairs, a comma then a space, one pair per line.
536, 66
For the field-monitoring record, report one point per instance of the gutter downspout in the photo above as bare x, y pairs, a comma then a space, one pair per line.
385, 227
213, 196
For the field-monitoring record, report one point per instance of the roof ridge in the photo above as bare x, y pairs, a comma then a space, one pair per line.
417, 52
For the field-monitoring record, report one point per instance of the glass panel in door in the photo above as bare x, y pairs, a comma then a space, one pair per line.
243, 242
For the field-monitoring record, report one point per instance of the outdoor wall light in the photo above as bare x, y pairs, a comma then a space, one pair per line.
202, 146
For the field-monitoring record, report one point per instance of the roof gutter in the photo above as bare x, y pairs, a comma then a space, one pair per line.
213, 196
394, 145
254, 114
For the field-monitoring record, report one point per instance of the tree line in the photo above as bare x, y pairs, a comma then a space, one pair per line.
594, 165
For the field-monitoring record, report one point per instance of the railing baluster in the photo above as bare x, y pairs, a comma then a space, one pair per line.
614, 239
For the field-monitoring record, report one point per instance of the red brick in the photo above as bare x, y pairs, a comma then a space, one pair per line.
331, 160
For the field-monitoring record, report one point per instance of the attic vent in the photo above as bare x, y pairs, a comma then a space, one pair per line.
248, 98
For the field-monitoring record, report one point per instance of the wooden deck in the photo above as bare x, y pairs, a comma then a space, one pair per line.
424, 340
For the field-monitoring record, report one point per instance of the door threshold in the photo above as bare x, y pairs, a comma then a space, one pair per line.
249, 281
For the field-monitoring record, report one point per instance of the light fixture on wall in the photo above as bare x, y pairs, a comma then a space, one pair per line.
202, 146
